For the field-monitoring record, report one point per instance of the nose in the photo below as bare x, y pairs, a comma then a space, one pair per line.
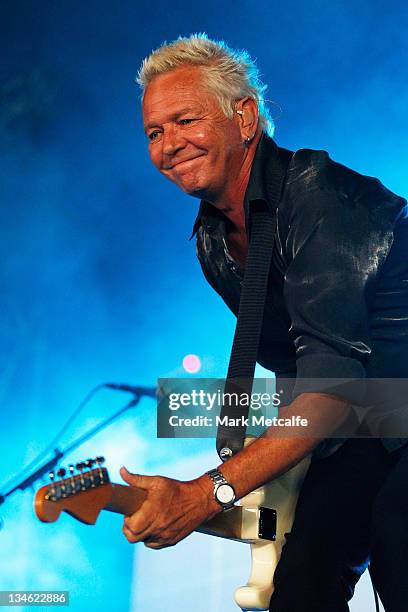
172, 141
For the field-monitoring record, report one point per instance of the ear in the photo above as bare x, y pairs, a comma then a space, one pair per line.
248, 116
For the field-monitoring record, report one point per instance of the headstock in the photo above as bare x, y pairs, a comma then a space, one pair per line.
83, 494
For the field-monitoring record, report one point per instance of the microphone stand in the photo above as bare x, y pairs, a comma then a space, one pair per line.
58, 454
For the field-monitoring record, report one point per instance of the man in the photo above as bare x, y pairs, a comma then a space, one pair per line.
329, 313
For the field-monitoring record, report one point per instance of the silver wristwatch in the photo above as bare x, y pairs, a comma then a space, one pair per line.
224, 493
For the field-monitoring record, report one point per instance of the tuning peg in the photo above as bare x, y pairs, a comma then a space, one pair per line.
80, 466
71, 478
99, 461
51, 492
90, 463
61, 473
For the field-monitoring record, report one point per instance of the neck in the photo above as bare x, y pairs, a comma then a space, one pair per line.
231, 199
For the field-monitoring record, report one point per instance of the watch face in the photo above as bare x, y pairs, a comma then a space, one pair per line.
225, 494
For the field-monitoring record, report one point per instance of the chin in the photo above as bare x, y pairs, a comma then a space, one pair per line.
196, 193
193, 188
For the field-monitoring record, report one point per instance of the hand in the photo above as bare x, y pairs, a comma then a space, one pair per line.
171, 510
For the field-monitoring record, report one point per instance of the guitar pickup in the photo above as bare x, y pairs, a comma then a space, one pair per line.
243, 524
267, 523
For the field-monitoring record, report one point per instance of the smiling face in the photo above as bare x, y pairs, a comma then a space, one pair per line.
191, 141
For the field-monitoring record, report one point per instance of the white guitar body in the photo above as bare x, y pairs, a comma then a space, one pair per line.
241, 523
282, 495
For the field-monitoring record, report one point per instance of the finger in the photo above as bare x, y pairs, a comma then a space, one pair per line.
139, 529
136, 524
132, 526
154, 545
135, 535
157, 544
129, 535
145, 536
136, 480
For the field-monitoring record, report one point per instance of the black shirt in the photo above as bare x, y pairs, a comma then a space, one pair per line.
337, 302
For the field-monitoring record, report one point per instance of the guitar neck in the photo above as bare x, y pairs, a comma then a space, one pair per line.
125, 500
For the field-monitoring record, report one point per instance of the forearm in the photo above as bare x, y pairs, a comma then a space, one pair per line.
173, 509
276, 451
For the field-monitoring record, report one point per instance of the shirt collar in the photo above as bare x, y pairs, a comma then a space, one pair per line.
210, 217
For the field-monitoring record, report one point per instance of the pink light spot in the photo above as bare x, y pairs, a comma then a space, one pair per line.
191, 364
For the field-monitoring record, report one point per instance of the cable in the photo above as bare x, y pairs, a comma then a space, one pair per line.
54, 441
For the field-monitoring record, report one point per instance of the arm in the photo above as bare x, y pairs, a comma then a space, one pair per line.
173, 509
271, 455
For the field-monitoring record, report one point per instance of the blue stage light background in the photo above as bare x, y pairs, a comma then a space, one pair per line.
99, 280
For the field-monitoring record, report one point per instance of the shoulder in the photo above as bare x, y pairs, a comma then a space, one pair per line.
313, 168
314, 179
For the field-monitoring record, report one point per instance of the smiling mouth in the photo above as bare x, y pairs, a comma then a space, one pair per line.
183, 161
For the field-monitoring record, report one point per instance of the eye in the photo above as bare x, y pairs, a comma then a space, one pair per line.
153, 135
186, 121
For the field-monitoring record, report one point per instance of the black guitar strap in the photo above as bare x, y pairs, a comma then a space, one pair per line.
230, 438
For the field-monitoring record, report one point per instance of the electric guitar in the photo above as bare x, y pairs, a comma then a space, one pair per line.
261, 519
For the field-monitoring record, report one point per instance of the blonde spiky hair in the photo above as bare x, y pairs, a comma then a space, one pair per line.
229, 74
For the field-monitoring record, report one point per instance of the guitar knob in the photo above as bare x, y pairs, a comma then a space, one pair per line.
100, 460
80, 466
90, 463
61, 472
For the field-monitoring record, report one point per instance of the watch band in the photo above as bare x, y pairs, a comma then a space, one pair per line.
218, 481
217, 477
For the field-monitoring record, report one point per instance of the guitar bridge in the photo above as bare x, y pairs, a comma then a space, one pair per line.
267, 523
